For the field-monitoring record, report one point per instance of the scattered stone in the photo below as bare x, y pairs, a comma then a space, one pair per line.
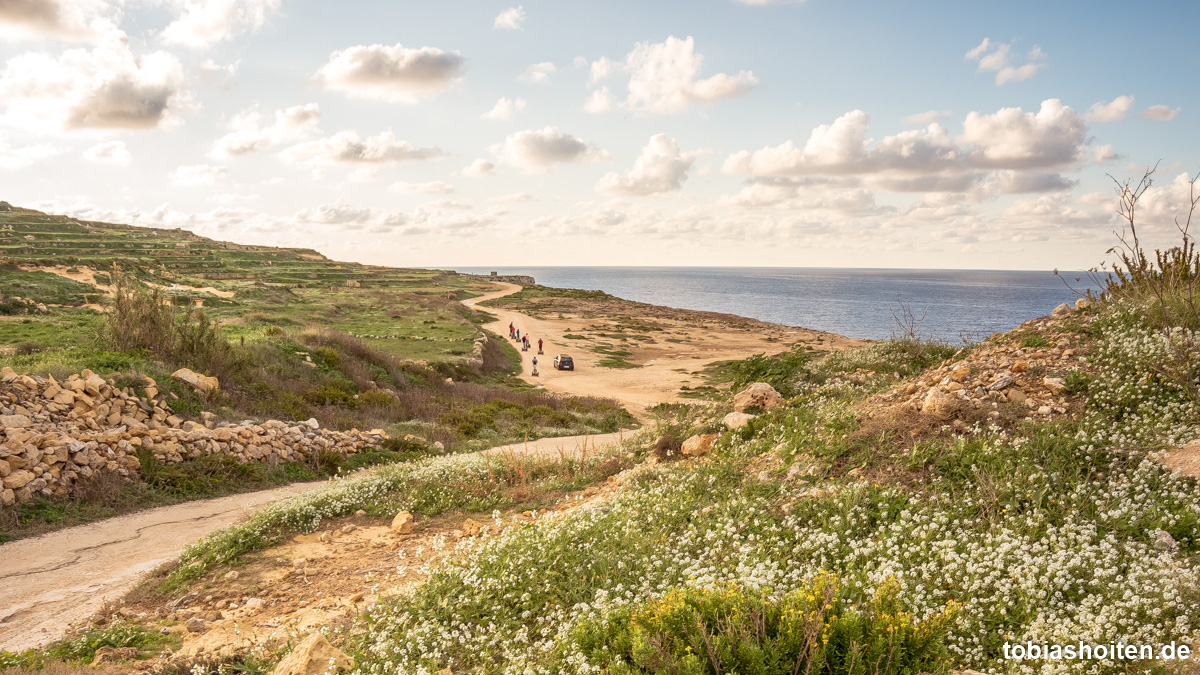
472, 527
1163, 541
1061, 309
1004, 382
1083, 303
360, 513
736, 419
252, 604
196, 625
232, 575
314, 656
938, 403
109, 654
758, 396
201, 383
698, 445
402, 523
1054, 384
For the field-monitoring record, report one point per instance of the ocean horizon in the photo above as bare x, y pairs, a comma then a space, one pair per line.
957, 305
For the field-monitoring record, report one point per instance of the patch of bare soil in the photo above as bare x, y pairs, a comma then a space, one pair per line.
323, 579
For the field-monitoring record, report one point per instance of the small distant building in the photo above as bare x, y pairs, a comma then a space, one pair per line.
493, 274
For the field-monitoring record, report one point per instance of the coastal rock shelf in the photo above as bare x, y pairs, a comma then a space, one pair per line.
55, 434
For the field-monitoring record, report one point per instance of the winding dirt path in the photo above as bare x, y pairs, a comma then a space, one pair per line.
51, 582
57, 579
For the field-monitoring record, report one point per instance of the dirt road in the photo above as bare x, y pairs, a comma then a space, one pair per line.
48, 583
51, 581
662, 367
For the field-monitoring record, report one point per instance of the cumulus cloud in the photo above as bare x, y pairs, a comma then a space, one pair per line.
1018, 182
516, 197
599, 101
250, 131
928, 117
538, 73
660, 168
199, 174
1110, 112
664, 78
602, 69
928, 159
222, 74
203, 23
480, 168
21, 157
996, 57
512, 18
504, 109
540, 149
347, 149
1104, 154
431, 188
109, 152
104, 88
334, 213
396, 73
1161, 113
80, 20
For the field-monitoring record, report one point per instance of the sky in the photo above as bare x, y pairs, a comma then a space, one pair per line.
464, 133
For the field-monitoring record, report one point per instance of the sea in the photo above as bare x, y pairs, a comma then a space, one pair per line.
956, 306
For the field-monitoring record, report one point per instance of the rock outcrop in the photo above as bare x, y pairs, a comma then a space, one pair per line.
314, 656
757, 397
55, 433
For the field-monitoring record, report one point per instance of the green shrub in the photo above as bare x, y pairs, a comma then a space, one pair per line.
782, 371
118, 635
733, 630
1034, 342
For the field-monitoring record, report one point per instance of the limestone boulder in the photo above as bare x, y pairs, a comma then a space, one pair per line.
314, 656
758, 396
199, 382
402, 523
736, 419
698, 445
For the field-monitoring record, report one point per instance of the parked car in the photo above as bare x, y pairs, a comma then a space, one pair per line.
564, 362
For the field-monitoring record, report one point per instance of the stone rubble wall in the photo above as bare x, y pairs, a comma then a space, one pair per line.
53, 434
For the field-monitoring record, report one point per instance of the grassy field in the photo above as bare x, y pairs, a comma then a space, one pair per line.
290, 335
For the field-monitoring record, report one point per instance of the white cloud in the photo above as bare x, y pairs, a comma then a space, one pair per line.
602, 69
512, 18
394, 73
104, 88
81, 20
664, 76
1104, 154
249, 132
109, 152
480, 168
538, 73
1161, 113
346, 148
996, 57
1110, 112
223, 74
660, 168
599, 102
199, 174
19, 158
928, 117
431, 188
1019, 182
504, 109
516, 197
334, 213
929, 159
540, 149
203, 23
1010, 139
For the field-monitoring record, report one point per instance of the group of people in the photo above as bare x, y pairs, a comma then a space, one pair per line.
514, 333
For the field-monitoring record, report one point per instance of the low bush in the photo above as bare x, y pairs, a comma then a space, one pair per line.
729, 629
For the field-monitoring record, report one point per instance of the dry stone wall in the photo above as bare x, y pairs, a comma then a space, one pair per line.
56, 433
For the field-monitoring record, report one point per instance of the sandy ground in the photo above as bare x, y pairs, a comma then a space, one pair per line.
682, 346
51, 581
